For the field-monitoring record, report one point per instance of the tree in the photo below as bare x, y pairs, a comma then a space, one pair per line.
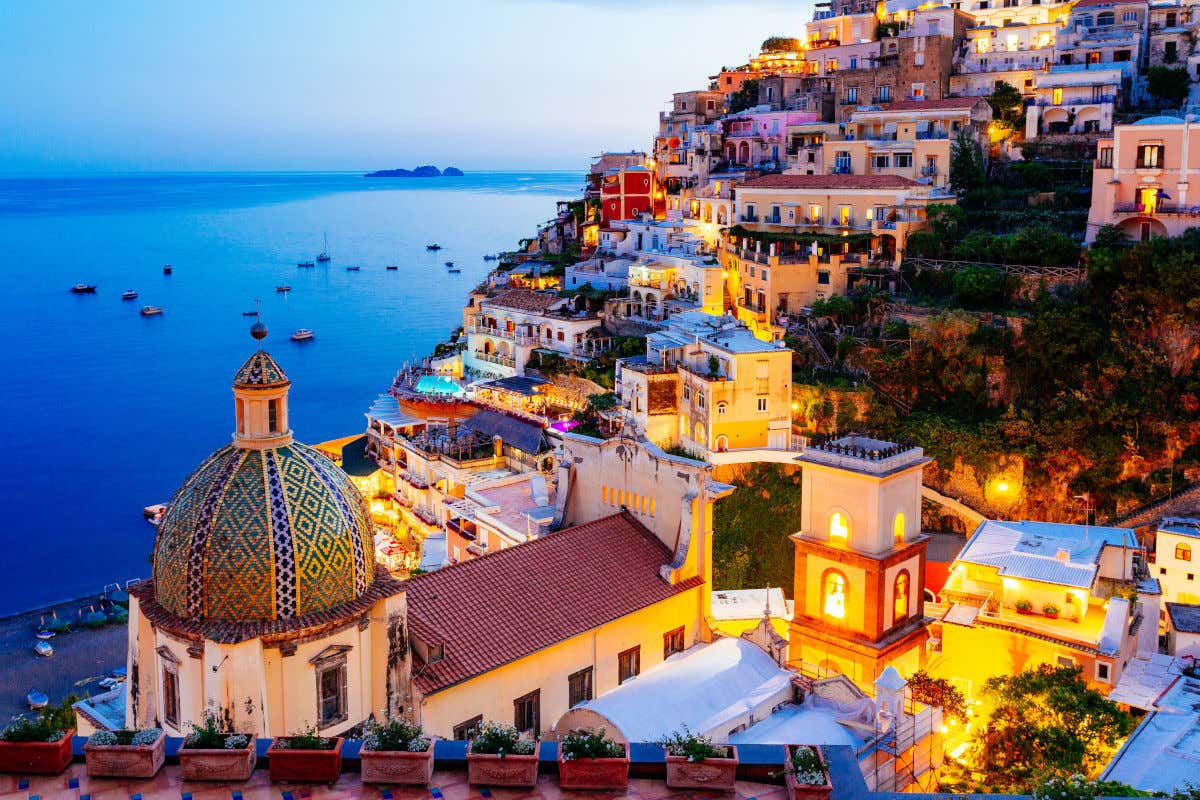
782, 44
938, 692
979, 287
745, 97
1007, 105
836, 306
966, 164
1046, 722
1110, 237
1169, 84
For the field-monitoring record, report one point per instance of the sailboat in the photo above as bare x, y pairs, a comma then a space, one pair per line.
324, 256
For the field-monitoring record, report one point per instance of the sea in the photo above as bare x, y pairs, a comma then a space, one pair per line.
106, 411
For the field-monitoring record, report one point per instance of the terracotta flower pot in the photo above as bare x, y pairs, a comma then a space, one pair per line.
1025, 611
36, 758
805, 791
305, 766
397, 766
485, 769
718, 774
609, 774
199, 764
125, 761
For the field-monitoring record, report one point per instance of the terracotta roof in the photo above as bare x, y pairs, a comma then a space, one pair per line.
933, 105
523, 300
1093, 3
507, 605
833, 182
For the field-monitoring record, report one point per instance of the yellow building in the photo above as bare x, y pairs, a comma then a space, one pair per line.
709, 385
1027, 593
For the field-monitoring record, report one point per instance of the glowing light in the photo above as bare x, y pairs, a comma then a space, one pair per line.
838, 527
1002, 486
835, 596
795, 406
944, 729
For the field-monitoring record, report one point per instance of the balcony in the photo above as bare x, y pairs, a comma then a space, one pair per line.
748, 218
414, 481
772, 219
493, 358
841, 169
501, 333
1068, 102
929, 172
1159, 210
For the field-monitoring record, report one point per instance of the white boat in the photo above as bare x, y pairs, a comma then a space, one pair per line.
303, 335
43, 648
154, 513
324, 256
283, 288
83, 288
129, 294
151, 311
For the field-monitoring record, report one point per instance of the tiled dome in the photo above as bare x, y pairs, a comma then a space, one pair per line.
260, 372
263, 535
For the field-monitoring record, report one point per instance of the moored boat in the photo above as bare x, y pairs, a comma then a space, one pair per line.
353, 269
37, 700
167, 269
154, 513
434, 247
249, 313
302, 335
129, 294
392, 268
151, 311
83, 288
453, 270
283, 288
43, 648
305, 264
324, 254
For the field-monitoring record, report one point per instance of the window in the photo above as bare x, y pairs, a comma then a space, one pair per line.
885, 94
560, 336
831, 66
1057, 97
1105, 18
903, 160
852, 94
898, 528
841, 163
814, 213
762, 404
526, 712
1102, 672
331, 693
839, 527
881, 161
1191, 576
1064, 661
1120, 56
1105, 157
721, 409
844, 215
1170, 53
629, 664
579, 687
687, 393
468, 729
900, 597
273, 415
918, 90
1162, 570
171, 694
823, 277
673, 642
854, 65
834, 592
1150, 155
1183, 552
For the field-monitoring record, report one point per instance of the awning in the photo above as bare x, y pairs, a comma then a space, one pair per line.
386, 409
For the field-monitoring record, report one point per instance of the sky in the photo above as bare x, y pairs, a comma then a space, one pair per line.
267, 85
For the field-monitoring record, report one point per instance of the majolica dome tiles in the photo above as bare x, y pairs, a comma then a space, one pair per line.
260, 371
263, 535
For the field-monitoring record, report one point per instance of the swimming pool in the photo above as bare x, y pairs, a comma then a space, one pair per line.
438, 384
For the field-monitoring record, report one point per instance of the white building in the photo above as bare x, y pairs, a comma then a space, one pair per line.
1183, 630
504, 330
1177, 559
1163, 754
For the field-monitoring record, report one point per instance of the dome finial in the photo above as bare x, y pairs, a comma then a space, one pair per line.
258, 330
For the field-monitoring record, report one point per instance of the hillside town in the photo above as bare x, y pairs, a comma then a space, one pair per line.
533, 527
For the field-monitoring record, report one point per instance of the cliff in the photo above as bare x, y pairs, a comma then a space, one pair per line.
426, 171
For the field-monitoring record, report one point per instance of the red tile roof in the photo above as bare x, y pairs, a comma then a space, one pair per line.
504, 606
933, 105
523, 300
1093, 3
833, 182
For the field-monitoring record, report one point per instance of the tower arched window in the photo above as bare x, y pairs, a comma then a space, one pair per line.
900, 596
833, 595
273, 416
1183, 552
839, 527
898, 528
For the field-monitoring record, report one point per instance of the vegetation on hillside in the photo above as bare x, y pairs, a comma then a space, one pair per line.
751, 548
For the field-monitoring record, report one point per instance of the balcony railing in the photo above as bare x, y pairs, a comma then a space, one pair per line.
749, 218
1078, 101
493, 358
502, 333
1161, 208
928, 172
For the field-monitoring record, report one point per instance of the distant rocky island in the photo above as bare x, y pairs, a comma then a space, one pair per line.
427, 171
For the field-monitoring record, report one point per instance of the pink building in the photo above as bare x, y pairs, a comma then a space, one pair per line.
760, 137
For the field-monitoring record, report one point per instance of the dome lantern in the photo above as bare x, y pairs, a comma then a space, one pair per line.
260, 393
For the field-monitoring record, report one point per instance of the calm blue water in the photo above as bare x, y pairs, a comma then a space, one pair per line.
105, 411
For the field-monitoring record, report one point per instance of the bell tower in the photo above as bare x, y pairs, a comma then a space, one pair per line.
260, 396
860, 558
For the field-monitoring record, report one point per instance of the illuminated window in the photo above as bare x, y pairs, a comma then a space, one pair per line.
898, 528
839, 527
835, 595
1183, 552
900, 597
1058, 97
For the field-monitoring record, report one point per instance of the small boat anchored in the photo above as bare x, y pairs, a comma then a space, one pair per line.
154, 513
129, 294
83, 288
435, 247
353, 269
249, 313
323, 257
283, 288
167, 269
490, 257
303, 335
449, 263
453, 270
151, 311
43, 648
37, 700
392, 268
305, 264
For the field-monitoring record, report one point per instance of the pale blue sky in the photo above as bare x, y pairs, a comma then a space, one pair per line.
219, 85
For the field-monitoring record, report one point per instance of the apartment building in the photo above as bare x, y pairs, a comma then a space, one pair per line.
1104, 32
710, 385
605, 163
504, 330
1076, 98
1171, 36
1177, 560
759, 138
684, 146
1141, 178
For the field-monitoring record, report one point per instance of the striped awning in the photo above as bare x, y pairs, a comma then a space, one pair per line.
386, 409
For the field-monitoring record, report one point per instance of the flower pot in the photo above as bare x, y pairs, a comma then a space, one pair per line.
485, 769
1025, 611
609, 774
305, 766
1052, 615
806, 791
717, 774
200, 764
36, 758
397, 766
125, 761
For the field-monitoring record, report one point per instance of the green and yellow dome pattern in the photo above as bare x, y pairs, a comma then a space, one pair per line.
263, 535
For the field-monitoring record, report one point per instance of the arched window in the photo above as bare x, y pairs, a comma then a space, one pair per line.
1106, 18
900, 596
833, 592
839, 527
721, 407
1183, 552
898, 528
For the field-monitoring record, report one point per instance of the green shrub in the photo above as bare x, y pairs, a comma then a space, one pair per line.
498, 739
396, 735
590, 744
684, 743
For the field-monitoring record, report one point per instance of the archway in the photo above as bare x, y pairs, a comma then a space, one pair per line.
1056, 120
744, 153
1142, 229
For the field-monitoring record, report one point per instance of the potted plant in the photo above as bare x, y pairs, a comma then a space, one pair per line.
396, 752
40, 746
212, 754
125, 754
1051, 610
694, 762
1023, 606
805, 774
590, 760
498, 756
306, 757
